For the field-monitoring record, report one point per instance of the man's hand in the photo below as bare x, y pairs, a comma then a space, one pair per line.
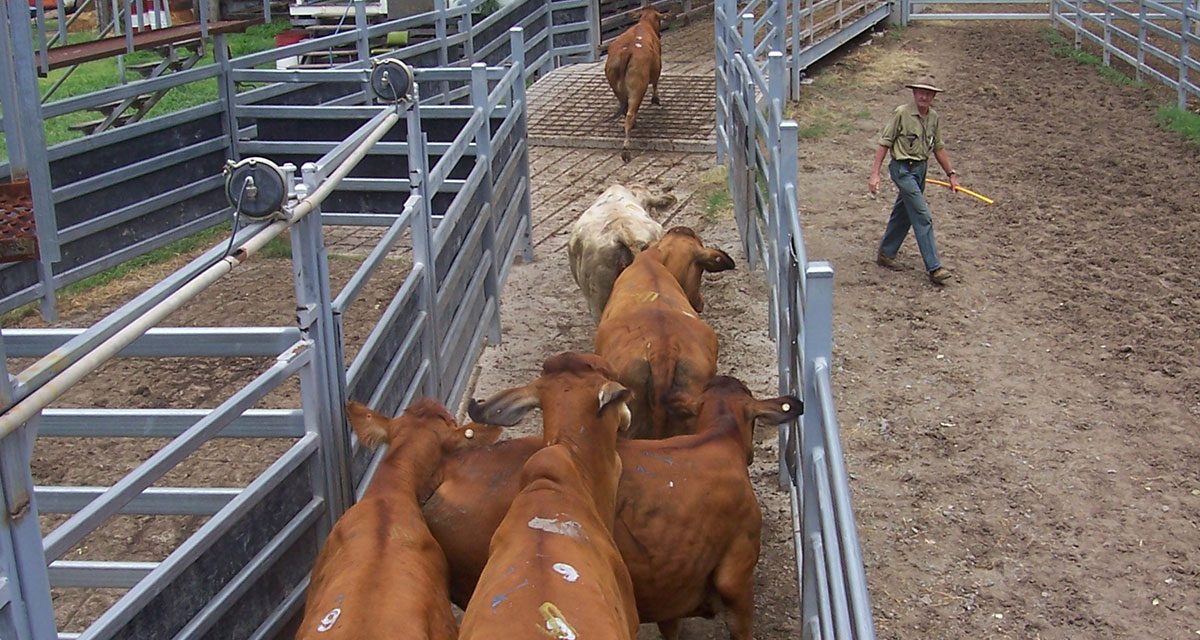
953, 182
873, 182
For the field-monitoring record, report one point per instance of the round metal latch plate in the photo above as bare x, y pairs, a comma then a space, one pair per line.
392, 81
255, 186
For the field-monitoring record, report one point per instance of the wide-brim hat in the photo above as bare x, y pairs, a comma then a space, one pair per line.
924, 83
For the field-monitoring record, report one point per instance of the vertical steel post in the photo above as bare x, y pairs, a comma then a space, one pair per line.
1108, 33
1053, 12
1141, 50
362, 46
1078, 23
776, 102
720, 116
423, 250
201, 17
266, 11
795, 21
439, 28
483, 153
593, 19
781, 21
517, 39
227, 92
818, 343
467, 25
789, 310
323, 379
26, 611
26, 112
1185, 32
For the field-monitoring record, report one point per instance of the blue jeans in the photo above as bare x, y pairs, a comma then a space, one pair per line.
910, 210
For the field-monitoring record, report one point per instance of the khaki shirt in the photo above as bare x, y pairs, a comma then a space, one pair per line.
909, 136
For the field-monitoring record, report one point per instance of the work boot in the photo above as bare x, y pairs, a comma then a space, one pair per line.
940, 275
888, 262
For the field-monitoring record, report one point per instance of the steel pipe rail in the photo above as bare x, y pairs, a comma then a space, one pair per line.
42, 397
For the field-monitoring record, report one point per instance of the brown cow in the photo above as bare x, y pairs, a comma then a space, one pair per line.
381, 574
634, 64
687, 526
553, 568
652, 336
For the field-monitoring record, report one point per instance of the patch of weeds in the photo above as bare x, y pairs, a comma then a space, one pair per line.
814, 131
713, 191
1181, 121
1061, 47
278, 247
716, 203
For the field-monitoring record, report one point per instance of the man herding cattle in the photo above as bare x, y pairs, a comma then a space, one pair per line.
634, 63
912, 133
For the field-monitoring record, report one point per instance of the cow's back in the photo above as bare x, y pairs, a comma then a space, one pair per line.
657, 344
604, 241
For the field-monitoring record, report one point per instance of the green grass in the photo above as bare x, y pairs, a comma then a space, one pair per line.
1064, 48
1170, 117
716, 203
187, 245
1181, 121
102, 74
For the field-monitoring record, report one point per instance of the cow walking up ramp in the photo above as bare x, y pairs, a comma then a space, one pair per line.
573, 107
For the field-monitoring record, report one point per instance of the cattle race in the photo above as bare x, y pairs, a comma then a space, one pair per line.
572, 319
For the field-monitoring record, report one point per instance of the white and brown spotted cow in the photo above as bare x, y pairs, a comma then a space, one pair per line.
608, 235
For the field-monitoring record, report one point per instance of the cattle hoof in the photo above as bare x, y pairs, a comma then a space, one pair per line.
625, 155
655, 101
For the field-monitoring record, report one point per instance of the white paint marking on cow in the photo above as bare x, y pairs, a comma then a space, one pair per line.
638, 45
570, 528
671, 484
557, 626
566, 571
329, 620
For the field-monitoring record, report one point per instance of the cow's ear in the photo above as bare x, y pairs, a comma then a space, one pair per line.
373, 428
505, 408
475, 434
714, 260
612, 392
778, 410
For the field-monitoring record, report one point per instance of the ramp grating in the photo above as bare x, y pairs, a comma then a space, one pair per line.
573, 107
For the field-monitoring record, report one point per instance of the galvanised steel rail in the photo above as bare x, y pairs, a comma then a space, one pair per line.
147, 168
1159, 39
490, 211
759, 147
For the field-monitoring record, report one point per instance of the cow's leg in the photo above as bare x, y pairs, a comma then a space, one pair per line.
654, 96
734, 582
669, 629
622, 108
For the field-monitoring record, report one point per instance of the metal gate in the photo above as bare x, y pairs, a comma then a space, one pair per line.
759, 148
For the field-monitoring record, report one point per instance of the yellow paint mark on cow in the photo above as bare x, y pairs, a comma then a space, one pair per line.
650, 296
557, 626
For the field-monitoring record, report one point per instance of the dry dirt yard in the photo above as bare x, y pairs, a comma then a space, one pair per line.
1023, 442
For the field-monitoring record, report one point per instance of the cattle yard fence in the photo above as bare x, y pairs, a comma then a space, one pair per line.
762, 50
111, 196
1155, 39
453, 180
759, 146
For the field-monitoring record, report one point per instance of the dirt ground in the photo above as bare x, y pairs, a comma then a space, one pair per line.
1022, 443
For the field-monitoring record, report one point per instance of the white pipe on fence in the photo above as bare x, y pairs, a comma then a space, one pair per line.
105, 351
